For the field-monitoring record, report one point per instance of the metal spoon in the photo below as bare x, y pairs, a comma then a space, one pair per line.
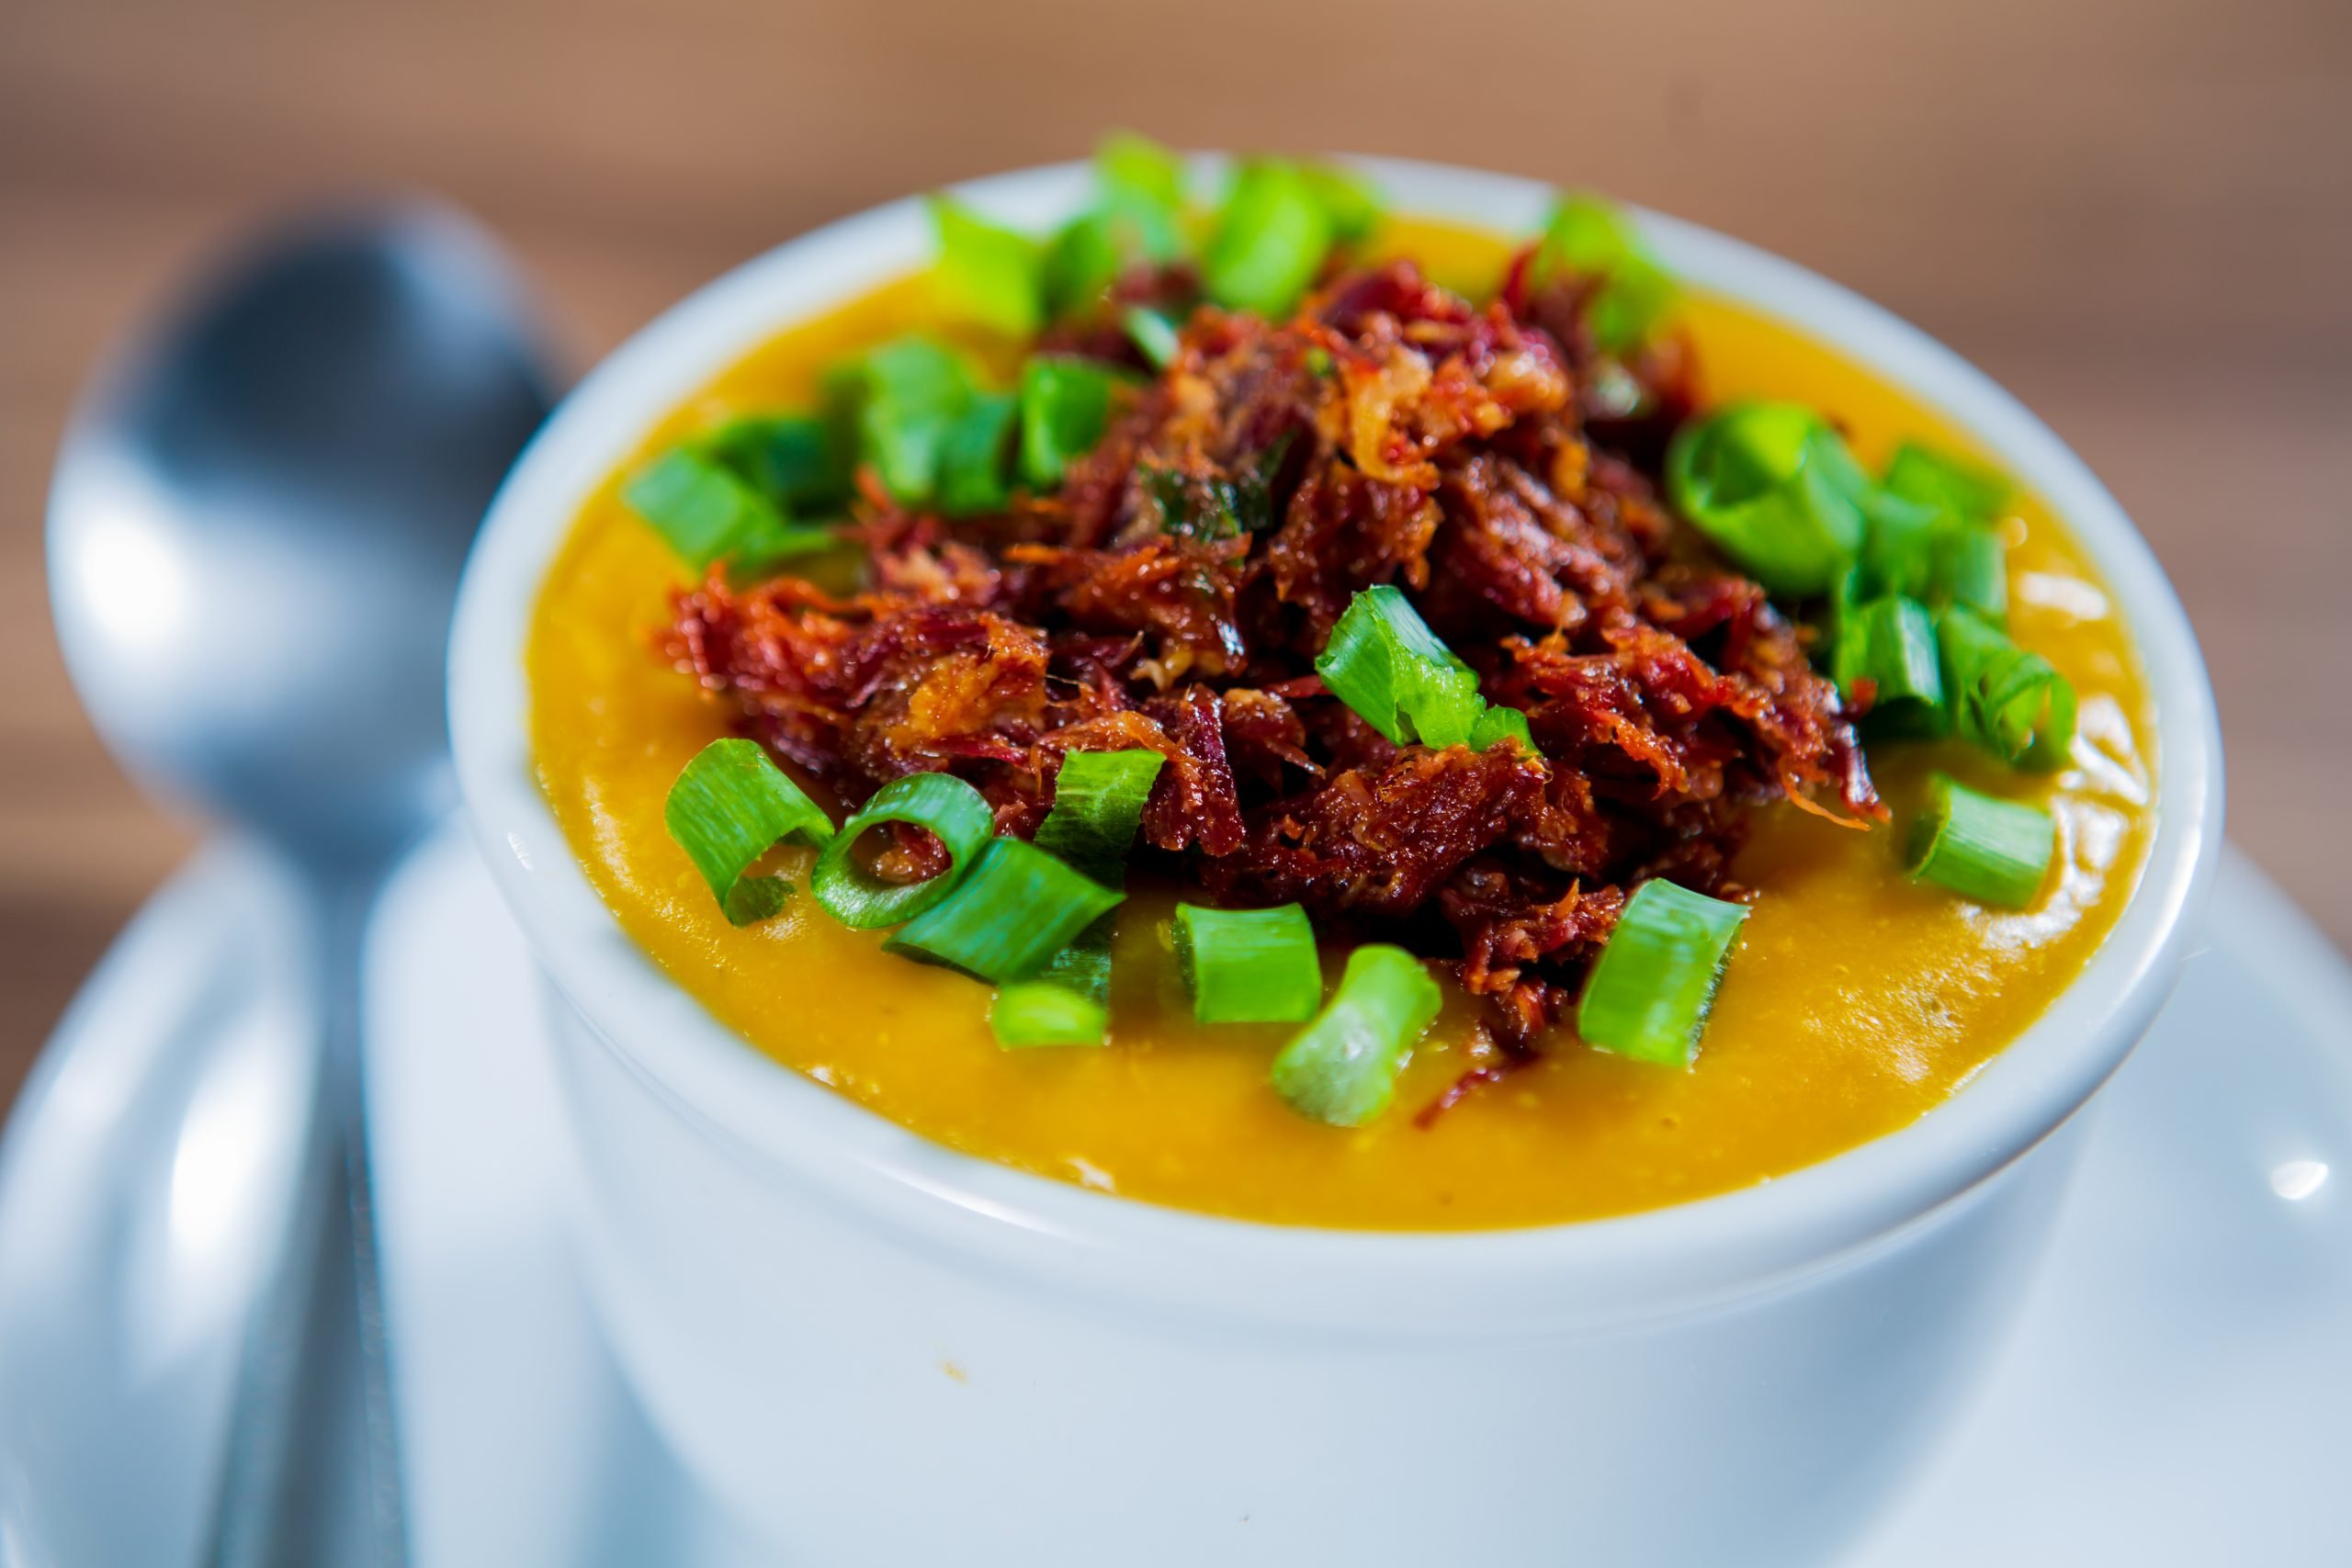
255, 534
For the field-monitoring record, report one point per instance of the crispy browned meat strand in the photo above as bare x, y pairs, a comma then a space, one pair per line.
1175, 592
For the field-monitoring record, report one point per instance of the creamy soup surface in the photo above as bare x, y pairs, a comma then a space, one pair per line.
1853, 1002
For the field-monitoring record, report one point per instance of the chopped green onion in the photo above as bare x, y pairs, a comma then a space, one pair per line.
1248, 965
1065, 405
1972, 570
1890, 642
942, 805
1900, 542
1205, 506
1649, 991
1139, 169
901, 399
1137, 218
707, 513
1142, 186
2011, 702
1351, 201
794, 459
1383, 661
729, 806
1342, 1067
1018, 908
1153, 334
1965, 490
1996, 851
1098, 803
1587, 237
1065, 1004
1499, 722
1775, 486
989, 272
976, 456
1083, 260
1270, 243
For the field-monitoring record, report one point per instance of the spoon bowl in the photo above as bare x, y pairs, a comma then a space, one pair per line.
260, 515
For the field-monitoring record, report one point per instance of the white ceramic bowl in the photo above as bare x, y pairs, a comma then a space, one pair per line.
883, 1352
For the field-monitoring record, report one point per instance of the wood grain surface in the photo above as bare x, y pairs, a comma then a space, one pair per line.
2138, 216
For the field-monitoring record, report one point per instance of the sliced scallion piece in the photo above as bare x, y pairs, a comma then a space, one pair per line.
1589, 237
1972, 569
1068, 1003
1649, 991
989, 272
1383, 661
1992, 850
1137, 168
942, 805
794, 459
707, 513
1098, 803
1967, 492
902, 398
1017, 908
1137, 219
1351, 201
729, 806
1890, 642
1065, 405
976, 456
1248, 965
1084, 259
1142, 200
2008, 699
1774, 486
1342, 1067
1900, 542
1152, 334
1499, 722
1269, 242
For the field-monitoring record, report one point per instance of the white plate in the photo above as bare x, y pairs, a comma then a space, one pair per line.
2179, 1394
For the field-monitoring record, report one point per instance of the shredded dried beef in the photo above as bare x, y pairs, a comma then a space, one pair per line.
1175, 592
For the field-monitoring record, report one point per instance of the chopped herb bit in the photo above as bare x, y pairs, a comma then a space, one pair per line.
989, 272
1992, 850
1650, 989
1967, 492
729, 806
1587, 237
901, 399
1153, 334
795, 460
1248, 965
1270, 243
942, 804
1342, 1067
2012, 703
1098, 803
1017, 909
1064, 407
1774, 486
976, 456
707, 513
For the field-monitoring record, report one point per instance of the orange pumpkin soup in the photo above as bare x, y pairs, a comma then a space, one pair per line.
1854, 999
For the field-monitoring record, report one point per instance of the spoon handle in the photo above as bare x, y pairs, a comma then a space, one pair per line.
310, 1478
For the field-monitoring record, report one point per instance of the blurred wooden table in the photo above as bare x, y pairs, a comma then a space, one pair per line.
2138, 217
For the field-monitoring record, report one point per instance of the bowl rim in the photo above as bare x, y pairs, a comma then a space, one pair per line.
997, 1218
